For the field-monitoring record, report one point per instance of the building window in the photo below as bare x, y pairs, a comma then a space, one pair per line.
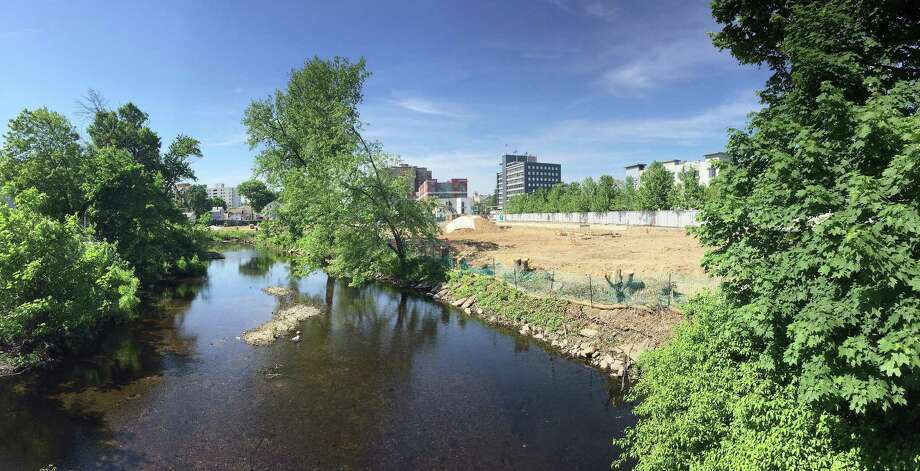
712, 172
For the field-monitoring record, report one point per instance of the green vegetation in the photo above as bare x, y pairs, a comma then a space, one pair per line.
233, 235
506, 302
656, 190
707, 404
339, 206
93, 222
59, 285
257, 193
195, 199
811, 359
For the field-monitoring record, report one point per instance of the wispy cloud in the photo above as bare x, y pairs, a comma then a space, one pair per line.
602, 9
675, 60
428, 107
710, 123
18, 33
226, 141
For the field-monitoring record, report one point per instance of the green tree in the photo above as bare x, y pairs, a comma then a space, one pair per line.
195, 198
59, 285
119, 184
656, 188
691, 192
42, 151
815, 233
217, 202
257, 193
349, 215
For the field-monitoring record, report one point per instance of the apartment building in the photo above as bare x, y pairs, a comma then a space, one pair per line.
226, 193
416, 175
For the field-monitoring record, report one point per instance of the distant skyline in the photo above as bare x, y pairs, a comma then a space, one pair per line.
592, 85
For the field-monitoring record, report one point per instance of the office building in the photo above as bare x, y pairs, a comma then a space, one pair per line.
524, 174
416, 176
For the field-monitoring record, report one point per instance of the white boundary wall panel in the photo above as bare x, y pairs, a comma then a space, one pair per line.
623, 218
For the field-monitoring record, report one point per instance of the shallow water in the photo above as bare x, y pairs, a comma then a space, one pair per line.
381, 380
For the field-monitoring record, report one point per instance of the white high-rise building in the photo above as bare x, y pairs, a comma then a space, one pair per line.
226, 193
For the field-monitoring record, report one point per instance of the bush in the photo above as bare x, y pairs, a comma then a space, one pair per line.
57, 285
707, 405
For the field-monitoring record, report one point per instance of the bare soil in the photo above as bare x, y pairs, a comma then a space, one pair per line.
641, 250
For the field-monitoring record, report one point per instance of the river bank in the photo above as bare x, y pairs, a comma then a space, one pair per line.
610, 338
381, 378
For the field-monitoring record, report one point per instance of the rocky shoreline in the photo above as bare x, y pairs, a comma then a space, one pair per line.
609, 338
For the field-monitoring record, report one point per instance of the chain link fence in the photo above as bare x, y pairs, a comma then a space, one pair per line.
619, 287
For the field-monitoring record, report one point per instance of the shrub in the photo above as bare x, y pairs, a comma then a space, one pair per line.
705, 404
57, 285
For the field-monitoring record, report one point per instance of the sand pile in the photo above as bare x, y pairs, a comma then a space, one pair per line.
283, 323
471, 224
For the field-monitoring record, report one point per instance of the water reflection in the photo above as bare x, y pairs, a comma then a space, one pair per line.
382, 379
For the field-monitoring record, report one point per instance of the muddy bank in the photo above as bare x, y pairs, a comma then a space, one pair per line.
283, 323
609, 337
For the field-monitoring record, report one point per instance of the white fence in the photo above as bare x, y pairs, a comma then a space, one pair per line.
625, 218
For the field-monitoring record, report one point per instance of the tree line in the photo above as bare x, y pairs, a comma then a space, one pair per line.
657, 189
92, 224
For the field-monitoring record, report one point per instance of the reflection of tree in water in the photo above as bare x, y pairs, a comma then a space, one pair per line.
48, 416
348, 373
258, 265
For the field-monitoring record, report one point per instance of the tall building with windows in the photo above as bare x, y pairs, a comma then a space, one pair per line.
416, 175
523, 174
226, 193
452, 196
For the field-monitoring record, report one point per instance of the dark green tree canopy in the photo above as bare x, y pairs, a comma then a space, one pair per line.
257, 193
816, 224
656, 188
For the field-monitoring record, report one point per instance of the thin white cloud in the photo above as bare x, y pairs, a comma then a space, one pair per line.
227, 141
17, 33
428, 107
710, 123
675, 60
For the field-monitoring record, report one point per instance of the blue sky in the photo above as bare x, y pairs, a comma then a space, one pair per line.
592, 85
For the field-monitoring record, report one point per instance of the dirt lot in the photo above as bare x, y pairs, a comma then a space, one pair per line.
644, 251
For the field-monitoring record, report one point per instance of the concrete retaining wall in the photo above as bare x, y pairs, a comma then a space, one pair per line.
622, 218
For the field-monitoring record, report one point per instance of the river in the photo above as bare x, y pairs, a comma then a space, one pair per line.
383, 379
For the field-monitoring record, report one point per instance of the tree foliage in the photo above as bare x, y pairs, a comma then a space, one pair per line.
120, 184
812, 359
606, 194
257, 193
57, 284
704, 404
195, 198
343, 210
656, 188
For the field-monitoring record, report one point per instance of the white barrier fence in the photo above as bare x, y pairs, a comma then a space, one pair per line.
625, 218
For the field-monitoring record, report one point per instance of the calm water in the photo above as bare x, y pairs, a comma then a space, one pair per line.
381, 380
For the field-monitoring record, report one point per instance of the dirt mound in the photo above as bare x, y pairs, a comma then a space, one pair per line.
471, 224
282, 323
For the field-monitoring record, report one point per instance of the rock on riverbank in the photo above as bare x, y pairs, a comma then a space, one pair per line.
610, 338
